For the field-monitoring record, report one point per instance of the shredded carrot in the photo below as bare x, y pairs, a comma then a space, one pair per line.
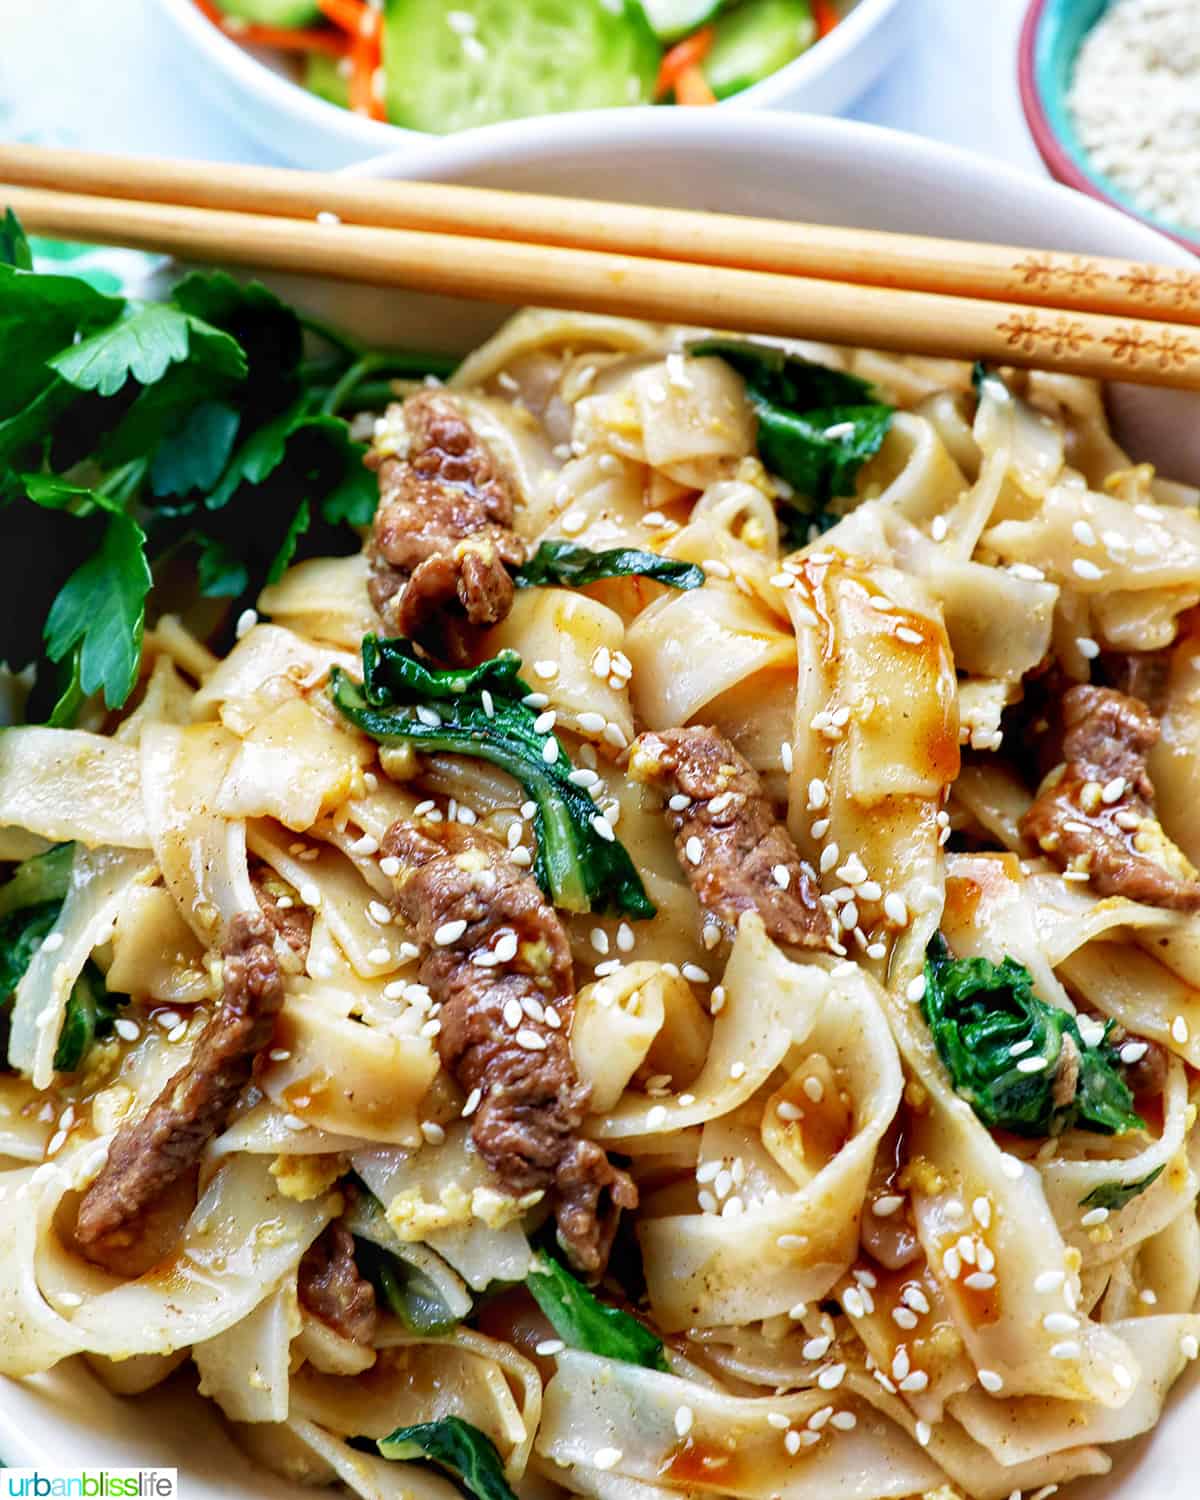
691, 87
366, 61
825, 15
351, 15
689, 53
299, 39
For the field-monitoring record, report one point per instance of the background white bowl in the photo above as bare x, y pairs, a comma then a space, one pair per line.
785, 166
293, 124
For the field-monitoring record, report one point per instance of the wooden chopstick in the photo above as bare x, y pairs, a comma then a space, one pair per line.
516, 272
1003, 273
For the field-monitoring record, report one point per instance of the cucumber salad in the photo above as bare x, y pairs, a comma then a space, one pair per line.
446, 65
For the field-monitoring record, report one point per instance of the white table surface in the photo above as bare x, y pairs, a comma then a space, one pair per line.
101, 73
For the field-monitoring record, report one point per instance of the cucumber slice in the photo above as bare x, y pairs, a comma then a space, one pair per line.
323, 77
272, 12
756, 40
453, 64
673, 19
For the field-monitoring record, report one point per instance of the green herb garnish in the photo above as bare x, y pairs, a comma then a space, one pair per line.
986, 1022
480, 712
584, 1322
562, 562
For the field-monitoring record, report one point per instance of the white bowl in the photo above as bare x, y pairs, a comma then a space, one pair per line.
787, 166
298, 126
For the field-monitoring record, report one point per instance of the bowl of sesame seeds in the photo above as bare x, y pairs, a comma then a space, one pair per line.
1111, 92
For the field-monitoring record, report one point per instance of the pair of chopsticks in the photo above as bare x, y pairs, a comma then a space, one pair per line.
1112, 319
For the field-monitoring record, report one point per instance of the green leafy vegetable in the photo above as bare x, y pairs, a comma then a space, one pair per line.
466, 1454
580, 868
563, 562
1115, 1195
197, 428
986, 1023
816, 426
403, 1290
91, 1011
30, 901
14, 247
584, 1322
102, 609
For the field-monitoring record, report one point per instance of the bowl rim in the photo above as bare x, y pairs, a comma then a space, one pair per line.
1061, 163
823, 57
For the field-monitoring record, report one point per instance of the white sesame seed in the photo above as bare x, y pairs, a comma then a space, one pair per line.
380, 955
1049, 1281
607, 1458
1068, 1349
603, 827
885, 1207
829, 858
900, 1364
1179, 1030
599, 939
830, 1379
737, 1070
514, 1016
531, 1040
544, 723
1032, 1064
1093, 1217
924, 1433
548, 1348
294, 1122
390, 866
1083, 534
853, 1303
814, 1088
844, 1421
904, 1317
916, 988
909, 636
818, 794
1133, 1052
1087, 647
472, 1104
684, 1417
656, 1118
777, 1420
791, 1442
450, 932
786, 756
694, 850
782, 876
246, 622
550, 752
547, 671
952, 1264
917, 1381
127, 1030
1190, 1346
991, 1381
1082, 568
433, 1132
895, 909
592, 723
1057, 1322
980, 1281
915, 1298
310, 895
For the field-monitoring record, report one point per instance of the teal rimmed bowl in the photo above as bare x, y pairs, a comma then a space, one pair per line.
1051, 37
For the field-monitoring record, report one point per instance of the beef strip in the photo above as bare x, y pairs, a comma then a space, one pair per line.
1106, 737
331, 1288
151, 1154
532, 1103
294, 921
442, 540
740, 842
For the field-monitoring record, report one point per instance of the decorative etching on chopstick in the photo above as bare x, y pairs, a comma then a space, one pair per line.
1131, 345
1159, 286
1032, 334
1047, 273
